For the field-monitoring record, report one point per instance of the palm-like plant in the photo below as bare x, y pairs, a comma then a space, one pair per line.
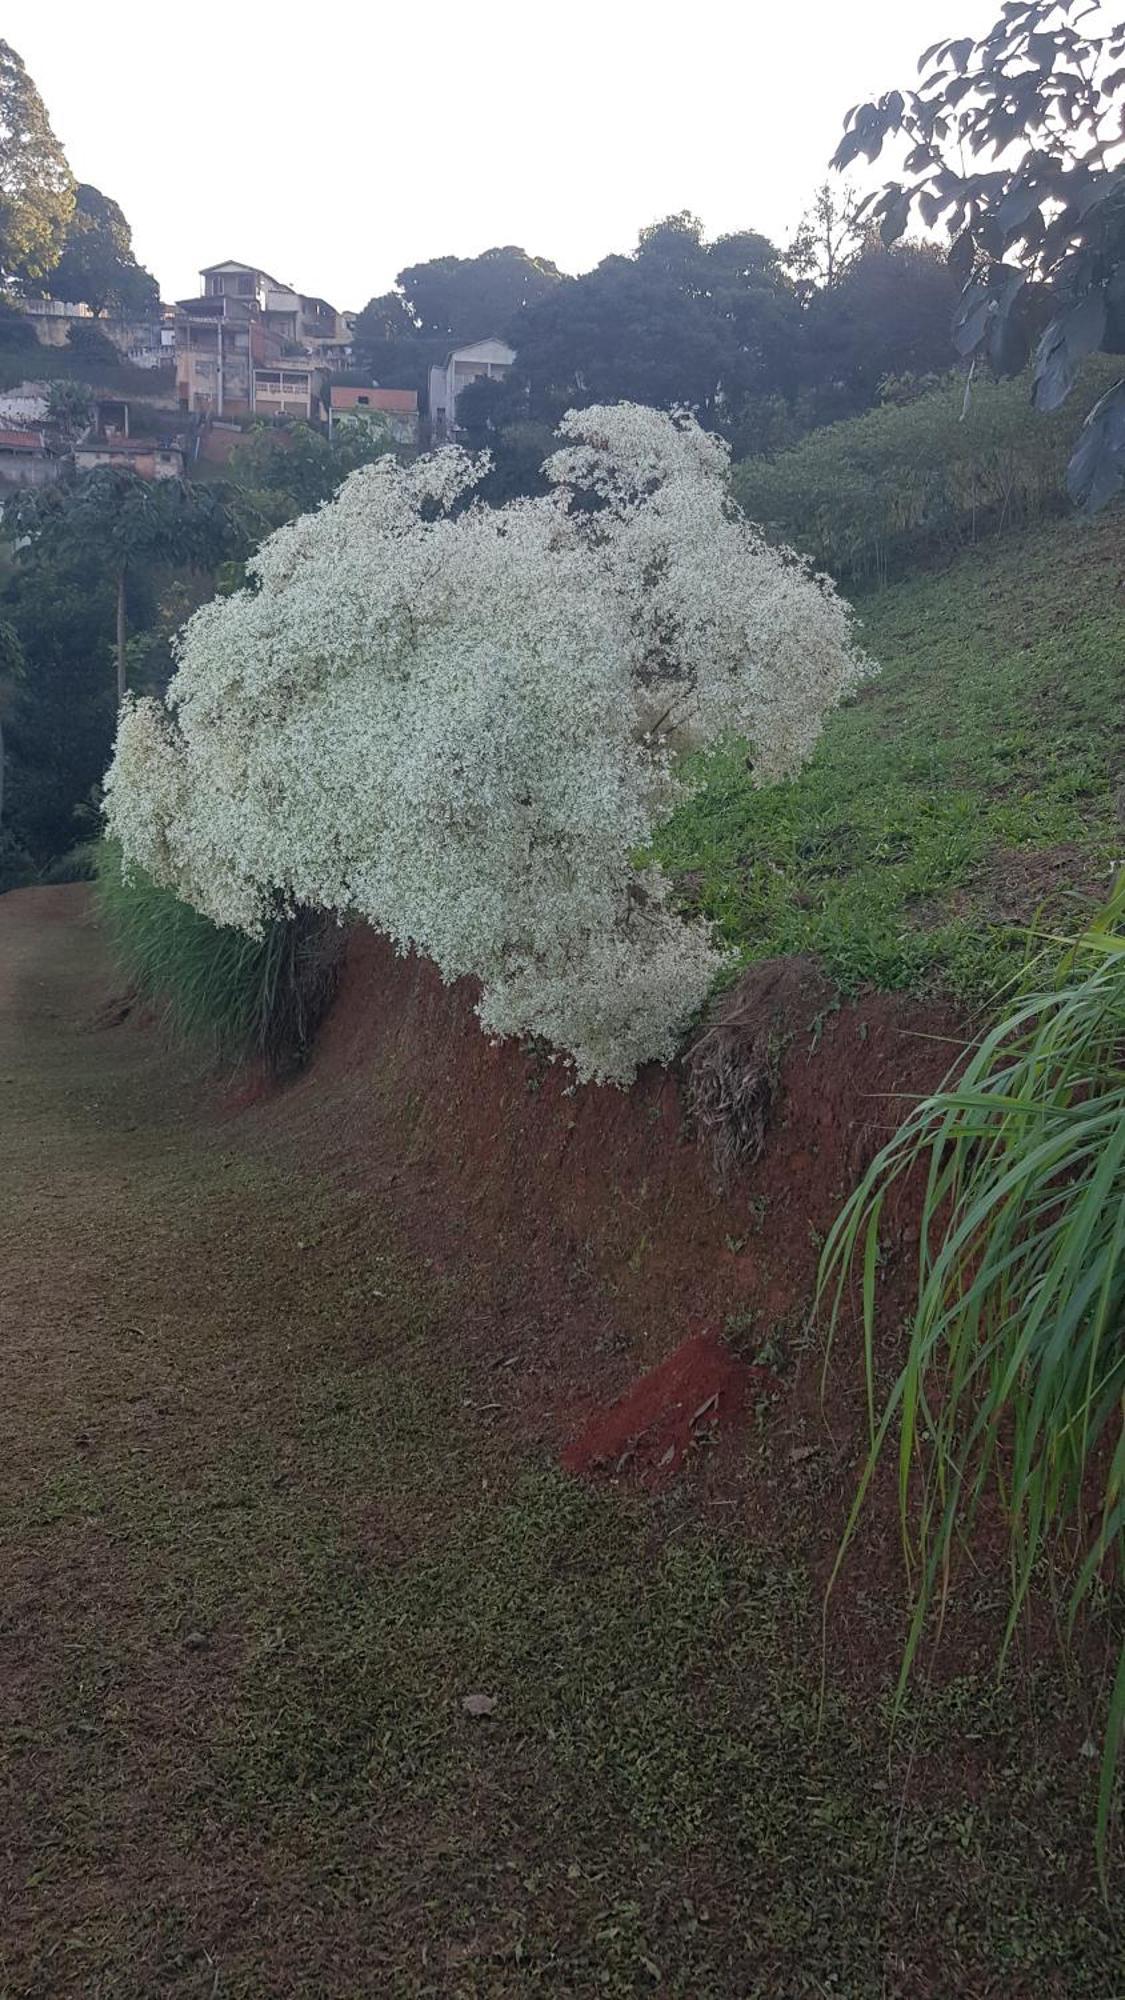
1014, 1378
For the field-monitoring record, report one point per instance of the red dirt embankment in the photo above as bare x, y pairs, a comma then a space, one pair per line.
599, 1236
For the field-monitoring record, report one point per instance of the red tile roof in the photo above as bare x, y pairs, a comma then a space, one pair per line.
22, 441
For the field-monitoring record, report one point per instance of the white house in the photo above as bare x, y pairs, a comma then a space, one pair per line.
492, 358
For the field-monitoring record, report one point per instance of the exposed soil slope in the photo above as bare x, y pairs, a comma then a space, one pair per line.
593, 1219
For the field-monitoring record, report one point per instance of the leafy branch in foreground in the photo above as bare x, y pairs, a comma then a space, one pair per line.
1014, 1379
1014, 148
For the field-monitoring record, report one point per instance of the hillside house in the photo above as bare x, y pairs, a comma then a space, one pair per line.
249, 345
26, 459
300, 320
491, 358
294, 388
150, 458
109, 441
220, 340
396, 409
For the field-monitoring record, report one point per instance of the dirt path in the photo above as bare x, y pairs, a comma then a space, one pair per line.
259, 1538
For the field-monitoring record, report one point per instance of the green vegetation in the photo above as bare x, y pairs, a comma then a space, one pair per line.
1015, 1372
872, 496
916, 843
238, 995
31, 362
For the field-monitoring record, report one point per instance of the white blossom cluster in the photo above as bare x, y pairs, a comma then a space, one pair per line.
462, 723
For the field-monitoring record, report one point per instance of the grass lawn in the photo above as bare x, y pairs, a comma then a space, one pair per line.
975, 774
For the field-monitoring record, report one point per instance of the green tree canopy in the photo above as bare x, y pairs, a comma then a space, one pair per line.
445, 303
681, 321
97, 266
36, 184
887, 313
291, 471
117, 522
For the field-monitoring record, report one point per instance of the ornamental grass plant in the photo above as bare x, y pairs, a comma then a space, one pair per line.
261, 996
1014, 1378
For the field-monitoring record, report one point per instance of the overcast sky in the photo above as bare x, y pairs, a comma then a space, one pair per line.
333, 150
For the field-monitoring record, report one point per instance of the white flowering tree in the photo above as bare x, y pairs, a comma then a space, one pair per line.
463, 723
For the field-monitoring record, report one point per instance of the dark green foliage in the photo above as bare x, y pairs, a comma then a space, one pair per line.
444, 304
907, 850
30, 359
493, 416
116, 523
106, 544
289, 470
60, 718
869, 496
1014, 1380
17, 335
69, 405
97, 267
1043, 92
887, 312
91, 347
680, 321
241, 996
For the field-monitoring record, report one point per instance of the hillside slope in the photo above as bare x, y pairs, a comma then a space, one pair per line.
974, 781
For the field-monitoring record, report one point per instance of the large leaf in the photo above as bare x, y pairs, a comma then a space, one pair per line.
1096, 472
970, 322
1065, 344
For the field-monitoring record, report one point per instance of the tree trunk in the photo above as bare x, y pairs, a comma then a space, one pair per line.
120, 636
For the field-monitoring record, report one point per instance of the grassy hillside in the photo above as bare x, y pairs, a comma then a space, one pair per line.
969, 786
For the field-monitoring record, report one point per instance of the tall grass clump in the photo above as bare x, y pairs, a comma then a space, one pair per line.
868, 497
240, 996
1014, 1379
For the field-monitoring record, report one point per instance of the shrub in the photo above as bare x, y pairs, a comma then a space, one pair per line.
1015, 1371
262, 995
89, 344
870, 495
461, 723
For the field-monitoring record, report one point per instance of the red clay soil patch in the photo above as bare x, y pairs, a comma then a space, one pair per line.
589, 1223
650, 1430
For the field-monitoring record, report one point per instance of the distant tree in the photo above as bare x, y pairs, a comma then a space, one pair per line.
11, 674
289, 472
16, 329
827, 239
1014, 147
60, 713
97, 266
446, 303
89, 344
117, 522
69, 404
36, 184
682, 322
494, 416
887, 314
458, 299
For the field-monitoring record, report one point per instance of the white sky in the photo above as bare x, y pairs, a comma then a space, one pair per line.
332, 150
